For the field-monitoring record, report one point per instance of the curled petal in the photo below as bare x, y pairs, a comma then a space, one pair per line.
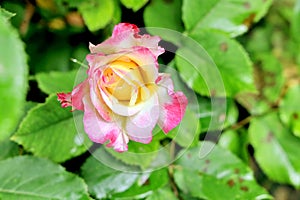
65, 99
101, 131
172, 104
74, 98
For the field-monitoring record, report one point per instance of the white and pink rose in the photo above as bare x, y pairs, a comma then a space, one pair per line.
125, 96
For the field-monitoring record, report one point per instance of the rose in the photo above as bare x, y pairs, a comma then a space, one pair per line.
125, 96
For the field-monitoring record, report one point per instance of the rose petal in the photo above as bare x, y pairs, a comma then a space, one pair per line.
172, 104
126, 36
139, 126
101, 131
97, 99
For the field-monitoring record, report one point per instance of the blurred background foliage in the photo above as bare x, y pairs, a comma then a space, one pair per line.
255, 46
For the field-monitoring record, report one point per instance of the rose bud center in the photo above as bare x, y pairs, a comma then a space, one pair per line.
123, 79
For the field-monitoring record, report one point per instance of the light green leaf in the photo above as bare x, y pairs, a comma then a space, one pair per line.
147, 184
231, 16
164, 14
135, 5
237, 142
104, 181
290, 110
275, 149
162, 194
55, 82
49, 131
223, 114
6, 14
204, 173
13, 77
27, 177
138, 154
232, 61
295, 26
97, 13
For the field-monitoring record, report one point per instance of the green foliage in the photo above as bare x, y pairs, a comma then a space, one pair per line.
276, 149
231, 60
96, 13
27, 177
229, 16
54, 136
214, 175
13, 76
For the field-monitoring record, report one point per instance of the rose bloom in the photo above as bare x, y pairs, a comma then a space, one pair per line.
125, 96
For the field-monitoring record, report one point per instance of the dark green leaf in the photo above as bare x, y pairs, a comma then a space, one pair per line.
13, 77
26, 177
276, 149
204, 173
49, 131
230, 16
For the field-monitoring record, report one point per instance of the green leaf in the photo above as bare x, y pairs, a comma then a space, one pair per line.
104, 181
215, 114
49, 131
275, 149
97, 13
13, 77
54, 82
230, 16
290, 110
232, 61
138, 154
135, 5
8, 149
164, 14
295, 26
204, 173
269, 80
162, 194
27, 177
237, 142
148, 183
